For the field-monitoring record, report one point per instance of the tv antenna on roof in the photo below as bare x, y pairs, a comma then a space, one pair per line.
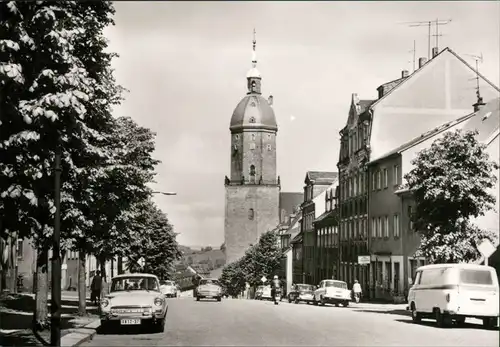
478, 59
437, 22
414, 52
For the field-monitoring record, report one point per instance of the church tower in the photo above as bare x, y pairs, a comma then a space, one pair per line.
252, 190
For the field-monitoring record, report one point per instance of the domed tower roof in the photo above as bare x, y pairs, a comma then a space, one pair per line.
254, 111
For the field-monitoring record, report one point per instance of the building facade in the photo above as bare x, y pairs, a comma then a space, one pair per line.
253, 188
439, 91
327, 238
393, 238
304, 243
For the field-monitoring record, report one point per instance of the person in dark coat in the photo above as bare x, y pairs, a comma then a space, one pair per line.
96, 288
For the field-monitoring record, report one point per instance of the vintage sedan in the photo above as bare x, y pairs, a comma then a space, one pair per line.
169, 289
266, 293
209, 288
301, 292
134, 300
332, 292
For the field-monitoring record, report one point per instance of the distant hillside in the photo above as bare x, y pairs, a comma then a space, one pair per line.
214, 258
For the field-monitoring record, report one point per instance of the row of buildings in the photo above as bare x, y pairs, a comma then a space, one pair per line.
354, 222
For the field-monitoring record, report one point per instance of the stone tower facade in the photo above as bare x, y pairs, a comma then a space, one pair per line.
253, 189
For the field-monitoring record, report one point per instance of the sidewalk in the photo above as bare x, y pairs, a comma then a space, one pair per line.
16, 316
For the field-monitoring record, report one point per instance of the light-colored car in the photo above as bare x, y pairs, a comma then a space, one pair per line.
134, 300
266, 293
332, 292
169, 289
453, 292
208, 288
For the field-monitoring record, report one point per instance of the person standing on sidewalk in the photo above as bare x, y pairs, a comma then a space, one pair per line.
96, 288
356, 289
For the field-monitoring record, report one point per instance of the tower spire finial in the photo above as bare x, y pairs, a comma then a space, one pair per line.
254, 54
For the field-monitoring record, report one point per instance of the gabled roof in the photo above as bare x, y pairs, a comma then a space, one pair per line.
289, 201
325, 215
321, 177
447, 49
486, 121
364, 105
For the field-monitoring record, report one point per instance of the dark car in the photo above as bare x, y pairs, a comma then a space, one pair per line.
301, 292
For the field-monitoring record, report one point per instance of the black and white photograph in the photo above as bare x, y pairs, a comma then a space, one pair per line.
249, 173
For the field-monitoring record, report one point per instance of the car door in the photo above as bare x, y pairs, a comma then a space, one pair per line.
412, 295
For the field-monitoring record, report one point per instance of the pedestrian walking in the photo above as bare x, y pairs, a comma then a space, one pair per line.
96, 288
356, 289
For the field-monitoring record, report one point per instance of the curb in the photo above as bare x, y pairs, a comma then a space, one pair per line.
81, 335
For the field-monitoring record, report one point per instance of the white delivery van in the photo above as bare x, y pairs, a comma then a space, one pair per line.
452, 292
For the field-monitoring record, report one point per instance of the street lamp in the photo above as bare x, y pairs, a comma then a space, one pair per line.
164, 193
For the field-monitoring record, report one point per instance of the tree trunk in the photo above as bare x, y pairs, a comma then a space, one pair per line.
42, 288
13, 264
82, 295
3, 280
102, 265
120, 265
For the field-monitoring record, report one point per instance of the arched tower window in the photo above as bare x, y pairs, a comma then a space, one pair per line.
251, 214
252, 173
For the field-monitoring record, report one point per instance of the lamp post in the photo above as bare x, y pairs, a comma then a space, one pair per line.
55, 307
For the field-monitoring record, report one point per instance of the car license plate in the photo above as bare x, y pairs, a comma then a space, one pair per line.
209, 296
130, 321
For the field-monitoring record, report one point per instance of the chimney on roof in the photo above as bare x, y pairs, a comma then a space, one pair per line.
479, 104
421, 62
270, 100
404, 73
435, 51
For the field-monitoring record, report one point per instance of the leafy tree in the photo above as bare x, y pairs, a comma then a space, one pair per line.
45, 87
262, 259
233, 278
450, 182
155, 242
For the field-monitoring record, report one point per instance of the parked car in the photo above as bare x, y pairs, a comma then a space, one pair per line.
169, 289
301, 292
332, 292
454, 292
209, 288
266, 293
258, 292
134, 300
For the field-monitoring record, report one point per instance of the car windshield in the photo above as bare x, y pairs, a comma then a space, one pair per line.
134, 283
305, 287
209, 281
336, 284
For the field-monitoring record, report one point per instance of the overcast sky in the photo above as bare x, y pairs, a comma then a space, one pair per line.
185, 65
